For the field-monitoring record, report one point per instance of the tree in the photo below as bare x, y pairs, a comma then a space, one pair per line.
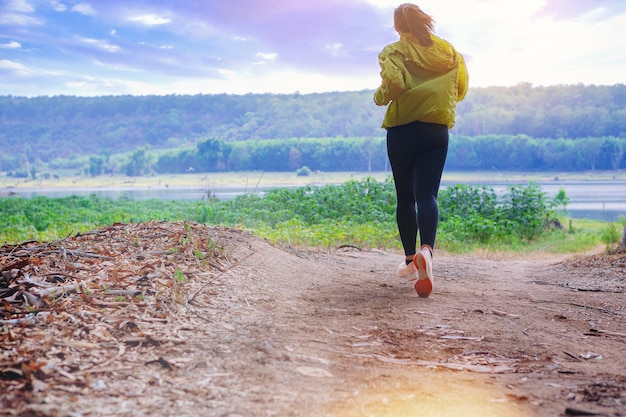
213, 154
612, 152
138, 163
96, 165
295, 158
589, 151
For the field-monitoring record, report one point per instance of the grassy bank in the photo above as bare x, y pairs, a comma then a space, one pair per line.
358, 212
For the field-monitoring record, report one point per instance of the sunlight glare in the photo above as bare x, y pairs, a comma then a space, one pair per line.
436, 394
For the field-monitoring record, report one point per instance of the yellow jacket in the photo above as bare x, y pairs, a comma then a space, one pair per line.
421, 83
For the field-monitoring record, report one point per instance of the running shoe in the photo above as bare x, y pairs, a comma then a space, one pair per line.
407, 271
423, 260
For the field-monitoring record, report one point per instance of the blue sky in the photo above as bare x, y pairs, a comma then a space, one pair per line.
140, 47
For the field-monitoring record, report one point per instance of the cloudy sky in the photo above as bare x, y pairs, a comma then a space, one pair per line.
139, 47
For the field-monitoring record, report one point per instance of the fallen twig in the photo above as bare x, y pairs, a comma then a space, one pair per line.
58, 291
571, 355
575, 412
77, 254
121, 293
581, 289
505, 314
18, 322
608, 332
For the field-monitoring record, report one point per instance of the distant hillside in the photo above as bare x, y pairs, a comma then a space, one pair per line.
46, 128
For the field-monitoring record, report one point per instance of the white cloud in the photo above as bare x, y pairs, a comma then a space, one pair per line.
11, 45
58, 6
14, 19
150, 20
84, 8
20, 6
279, 82
100, 44
124, 86
335, 49
267, 56
15, 68
18, 13
114, 67
89, 86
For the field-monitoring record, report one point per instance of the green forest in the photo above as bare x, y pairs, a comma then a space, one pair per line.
525, 128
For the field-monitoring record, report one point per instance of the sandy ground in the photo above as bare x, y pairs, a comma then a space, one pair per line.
258, 330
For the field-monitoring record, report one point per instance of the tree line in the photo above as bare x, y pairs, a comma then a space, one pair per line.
58, 130
466, 153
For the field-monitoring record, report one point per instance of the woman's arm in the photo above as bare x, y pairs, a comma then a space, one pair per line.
463, 81
392, 75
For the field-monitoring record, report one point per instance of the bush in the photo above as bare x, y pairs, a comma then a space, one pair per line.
305, 171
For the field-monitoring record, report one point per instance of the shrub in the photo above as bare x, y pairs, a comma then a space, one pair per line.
305, 171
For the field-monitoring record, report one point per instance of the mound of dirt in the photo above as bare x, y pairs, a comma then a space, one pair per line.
182, 319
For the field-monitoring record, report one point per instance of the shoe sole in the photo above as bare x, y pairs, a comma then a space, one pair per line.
424, 284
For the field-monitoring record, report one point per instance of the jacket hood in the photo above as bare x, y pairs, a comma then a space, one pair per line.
440, 57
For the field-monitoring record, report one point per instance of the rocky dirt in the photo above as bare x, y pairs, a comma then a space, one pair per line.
176, 319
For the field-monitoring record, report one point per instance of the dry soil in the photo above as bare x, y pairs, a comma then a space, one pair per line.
218, 322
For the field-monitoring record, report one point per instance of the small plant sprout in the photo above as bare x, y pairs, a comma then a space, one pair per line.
180, 277
212, 244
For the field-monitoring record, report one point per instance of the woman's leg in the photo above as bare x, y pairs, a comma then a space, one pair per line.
398, 144
417, 154
428, 169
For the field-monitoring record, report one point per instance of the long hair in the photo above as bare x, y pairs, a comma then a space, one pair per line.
408, 17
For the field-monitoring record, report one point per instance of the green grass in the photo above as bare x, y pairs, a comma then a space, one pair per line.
358, 213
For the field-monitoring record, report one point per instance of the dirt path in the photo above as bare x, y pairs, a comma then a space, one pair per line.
296, 333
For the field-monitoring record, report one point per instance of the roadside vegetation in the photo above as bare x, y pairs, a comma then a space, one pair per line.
357, 213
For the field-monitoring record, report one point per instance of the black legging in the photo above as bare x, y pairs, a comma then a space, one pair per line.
417, 153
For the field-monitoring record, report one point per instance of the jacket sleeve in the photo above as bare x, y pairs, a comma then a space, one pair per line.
463, 80
392, 84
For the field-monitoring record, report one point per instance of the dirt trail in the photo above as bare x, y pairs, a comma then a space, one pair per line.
298, 333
